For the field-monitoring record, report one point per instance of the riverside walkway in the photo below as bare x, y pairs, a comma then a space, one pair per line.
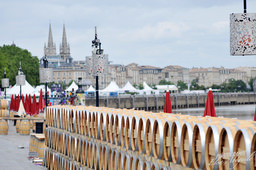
11, 156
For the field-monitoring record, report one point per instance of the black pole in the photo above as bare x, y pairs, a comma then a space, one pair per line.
97, 91
5, 87
20, 93
245, 10
46, 95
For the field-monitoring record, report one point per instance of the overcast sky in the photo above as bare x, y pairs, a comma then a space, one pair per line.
190, 33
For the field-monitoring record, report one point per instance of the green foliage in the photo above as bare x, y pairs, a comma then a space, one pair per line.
164, 82
195, 86
234, 86
182, 85
215, 86
10, 56
251, 84
141, 86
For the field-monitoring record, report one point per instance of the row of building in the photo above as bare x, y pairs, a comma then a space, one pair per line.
65, 69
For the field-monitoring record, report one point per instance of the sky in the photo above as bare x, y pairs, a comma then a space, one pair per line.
189, 33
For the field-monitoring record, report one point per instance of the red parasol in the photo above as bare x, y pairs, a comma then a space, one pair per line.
18, 103
40, 104
168, 104
29, 105
11, 105
209, 106
255, 115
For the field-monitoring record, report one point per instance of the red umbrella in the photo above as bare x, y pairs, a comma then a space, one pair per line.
29, 105
34, 106
255, 115
209, 106
25, 103
41, 106
168, 104
18, 103
11, 104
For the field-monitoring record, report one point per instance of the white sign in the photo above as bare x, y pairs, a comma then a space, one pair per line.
243, 34
20, 80
46, 75
5, 82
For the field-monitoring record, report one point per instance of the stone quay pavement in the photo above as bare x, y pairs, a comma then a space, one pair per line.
11, 156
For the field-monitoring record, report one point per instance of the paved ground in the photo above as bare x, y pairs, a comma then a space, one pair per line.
13, 158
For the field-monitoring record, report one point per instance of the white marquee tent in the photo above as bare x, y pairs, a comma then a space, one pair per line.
167, 87
25, 89
112, 87
72, 86
91, 89
38, 89
129, 87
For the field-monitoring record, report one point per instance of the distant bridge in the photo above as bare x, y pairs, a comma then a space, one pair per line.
156, 102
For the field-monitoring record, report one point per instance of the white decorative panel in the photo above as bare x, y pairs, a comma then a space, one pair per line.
46, 75
243, 34
5, 82
20, 80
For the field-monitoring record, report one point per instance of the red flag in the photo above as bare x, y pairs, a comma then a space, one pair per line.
34, 105
209, 106
168, 104
255, 115
41, 106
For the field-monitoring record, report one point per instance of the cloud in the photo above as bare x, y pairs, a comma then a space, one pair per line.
160, 30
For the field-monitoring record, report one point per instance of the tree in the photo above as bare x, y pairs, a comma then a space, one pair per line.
164, 82
10, 57
195, 86
182, 85
251, 84
141, 86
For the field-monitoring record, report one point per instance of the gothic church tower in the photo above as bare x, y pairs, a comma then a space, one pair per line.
64, 47
50, 49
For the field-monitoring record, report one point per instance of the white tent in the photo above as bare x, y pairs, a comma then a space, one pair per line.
146, 87
112, 87
38, 89
72, 86
167, 87
91, 89
129, 87
25, 89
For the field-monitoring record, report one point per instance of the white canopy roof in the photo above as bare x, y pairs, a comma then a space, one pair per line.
112, 87
167, 87
129, 87
72, 86
25, 89
91, 89
146, 87
38, 89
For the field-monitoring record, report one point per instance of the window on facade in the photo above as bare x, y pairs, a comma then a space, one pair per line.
64, 81
63, 74
58, 74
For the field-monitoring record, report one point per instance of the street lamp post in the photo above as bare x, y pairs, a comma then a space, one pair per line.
20, 80
45, 66
46, 75
98, 60
5, 83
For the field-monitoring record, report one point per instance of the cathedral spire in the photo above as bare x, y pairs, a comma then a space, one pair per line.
64, 47
64, 37
50, 49
50, 39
